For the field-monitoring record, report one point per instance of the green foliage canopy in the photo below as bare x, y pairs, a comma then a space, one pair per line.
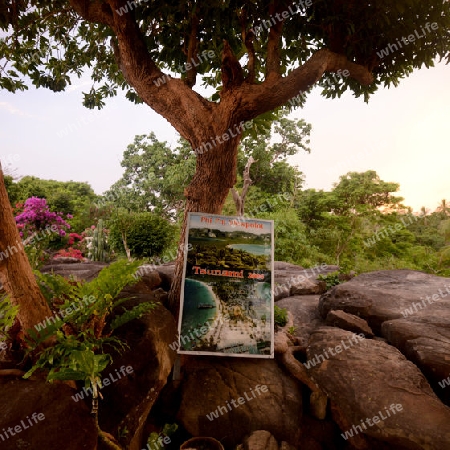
154, 177
50, 42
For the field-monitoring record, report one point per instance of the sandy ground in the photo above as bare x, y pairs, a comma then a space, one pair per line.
226, 332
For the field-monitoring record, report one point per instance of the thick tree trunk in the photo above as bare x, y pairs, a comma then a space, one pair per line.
16, 274
215, 175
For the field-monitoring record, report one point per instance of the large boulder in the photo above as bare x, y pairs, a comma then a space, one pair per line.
348, 322
128, 400
294, 280
388, 294
376, 393
137, 376
229, 398
40, 415
305, 315
410, 309
263, 440
166, 272
79, 271
426, 342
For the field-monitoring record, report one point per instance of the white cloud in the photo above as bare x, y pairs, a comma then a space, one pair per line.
13, 110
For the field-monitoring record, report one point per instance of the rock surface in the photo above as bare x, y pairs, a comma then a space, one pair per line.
263, 440
348, 322
364, 380
128, 401
80, 271
65, 424
292, 280
129, 397
410, 309
305, 314
212, 382
387, 295
426, 342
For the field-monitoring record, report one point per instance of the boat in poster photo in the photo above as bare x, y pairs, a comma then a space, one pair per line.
226, 298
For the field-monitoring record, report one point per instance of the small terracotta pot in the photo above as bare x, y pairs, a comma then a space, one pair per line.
202, 443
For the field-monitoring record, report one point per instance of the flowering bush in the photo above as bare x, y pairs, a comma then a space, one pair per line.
73, 237
36, 216
70, 253
36, 224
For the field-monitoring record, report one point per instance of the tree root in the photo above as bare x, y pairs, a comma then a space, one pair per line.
296, 369
11, 373
107, 439
285, 354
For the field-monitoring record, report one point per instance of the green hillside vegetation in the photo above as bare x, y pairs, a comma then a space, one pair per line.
360, 224
218, 257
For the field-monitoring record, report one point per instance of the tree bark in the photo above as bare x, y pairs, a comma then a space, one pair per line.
16, 274
125, 245
215, 175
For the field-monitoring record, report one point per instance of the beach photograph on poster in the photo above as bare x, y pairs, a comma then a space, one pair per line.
226, 297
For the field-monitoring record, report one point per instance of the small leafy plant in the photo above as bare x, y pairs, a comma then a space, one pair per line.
156, 441
80, 325
331, 279
8, 314
280, 316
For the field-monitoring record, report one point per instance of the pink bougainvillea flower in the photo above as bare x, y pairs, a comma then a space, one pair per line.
36, 216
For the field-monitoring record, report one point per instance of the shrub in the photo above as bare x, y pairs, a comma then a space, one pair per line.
82, 325
291, 242
331, 280
280, 316
146, 234
39, 226
69, 253
8, 314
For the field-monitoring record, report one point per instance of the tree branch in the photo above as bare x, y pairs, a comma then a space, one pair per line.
247, 181
273, 92
247, 38
192, 53
273, 66
236, 199
170, 97
96, 11
232, 75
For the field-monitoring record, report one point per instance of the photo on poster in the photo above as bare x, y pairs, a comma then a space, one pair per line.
226, 296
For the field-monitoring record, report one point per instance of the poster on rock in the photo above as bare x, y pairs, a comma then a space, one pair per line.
227, 287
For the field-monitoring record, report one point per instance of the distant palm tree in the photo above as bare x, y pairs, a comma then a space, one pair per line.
444, 208
423, 213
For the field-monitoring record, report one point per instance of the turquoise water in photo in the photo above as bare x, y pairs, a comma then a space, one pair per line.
255, 249
195, 293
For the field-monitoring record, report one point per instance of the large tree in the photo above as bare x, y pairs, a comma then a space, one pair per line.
257, 56
154, 177
16, 274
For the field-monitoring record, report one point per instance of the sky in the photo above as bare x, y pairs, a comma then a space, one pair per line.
402, 134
